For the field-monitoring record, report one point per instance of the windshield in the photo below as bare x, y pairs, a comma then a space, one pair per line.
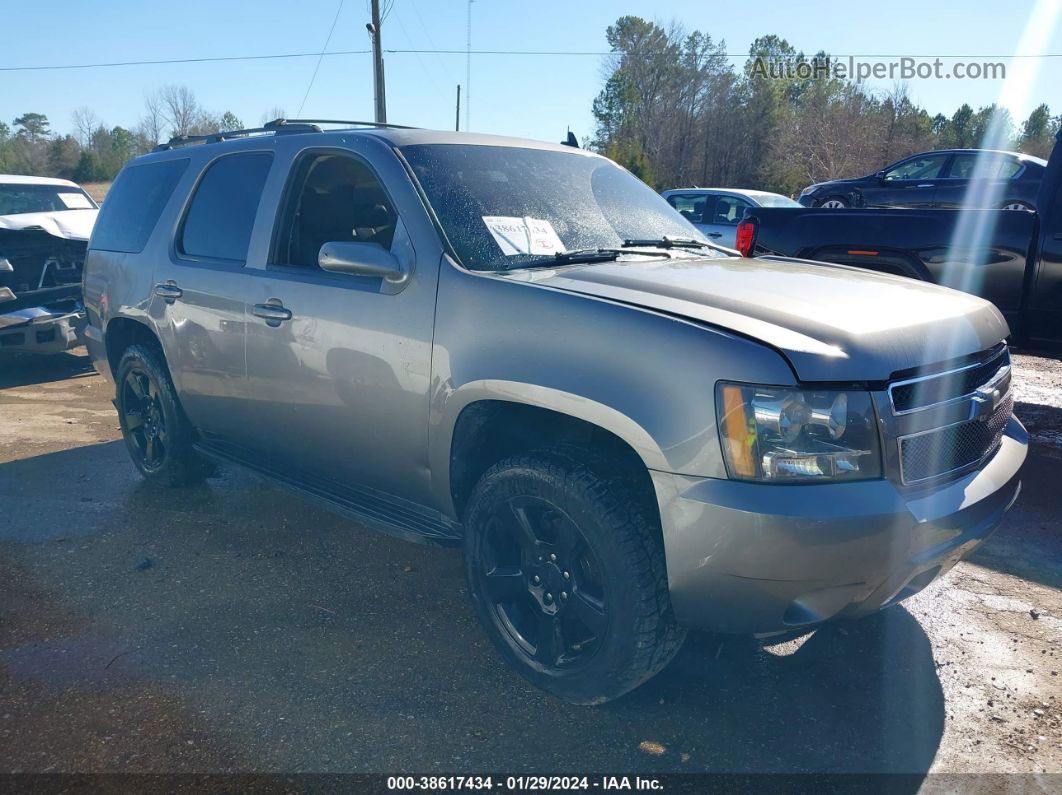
16, 199
774, 200
505, 207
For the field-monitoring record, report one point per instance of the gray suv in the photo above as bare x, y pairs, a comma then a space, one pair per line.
521, 348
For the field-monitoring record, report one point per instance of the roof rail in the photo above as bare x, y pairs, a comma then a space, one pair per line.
276, 127
341, 121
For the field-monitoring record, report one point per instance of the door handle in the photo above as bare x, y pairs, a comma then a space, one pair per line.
926, 185
168, 292
273, 313
714, 234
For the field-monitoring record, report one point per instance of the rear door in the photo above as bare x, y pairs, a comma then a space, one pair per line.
198, 295
909, 183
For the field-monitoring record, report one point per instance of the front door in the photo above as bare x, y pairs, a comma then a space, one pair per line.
339, 365
727, 211
909, 183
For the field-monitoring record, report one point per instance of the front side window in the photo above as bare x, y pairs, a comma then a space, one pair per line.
334, 198
220, 218
16, 199
921, 167
506, 207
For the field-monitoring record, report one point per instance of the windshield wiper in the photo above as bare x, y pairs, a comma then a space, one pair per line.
580, 255
667, 242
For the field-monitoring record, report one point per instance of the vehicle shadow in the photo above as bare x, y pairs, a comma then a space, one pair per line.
857, 697
1027, 543
301, 642
28, 369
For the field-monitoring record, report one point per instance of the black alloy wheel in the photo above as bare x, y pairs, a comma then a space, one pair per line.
565, 565
544, 583
143, 418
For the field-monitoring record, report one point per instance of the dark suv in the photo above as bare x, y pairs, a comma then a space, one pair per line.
522, 348
937, 179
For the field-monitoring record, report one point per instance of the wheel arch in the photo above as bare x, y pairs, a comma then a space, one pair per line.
493, 420
120, 333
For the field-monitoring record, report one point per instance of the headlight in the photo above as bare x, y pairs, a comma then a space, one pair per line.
786, 434
808, 190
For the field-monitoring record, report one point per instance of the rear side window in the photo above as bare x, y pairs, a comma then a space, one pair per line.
220, 218
133, 205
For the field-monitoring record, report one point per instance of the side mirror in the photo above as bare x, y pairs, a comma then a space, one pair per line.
881, 176
362, 259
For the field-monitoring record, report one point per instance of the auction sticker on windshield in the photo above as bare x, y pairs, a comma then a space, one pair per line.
523, 235
75, 201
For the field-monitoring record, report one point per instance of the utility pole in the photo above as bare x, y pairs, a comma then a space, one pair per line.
468, 70
457, 121
377, 64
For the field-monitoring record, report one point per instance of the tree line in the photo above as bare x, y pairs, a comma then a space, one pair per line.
676, 112
96, 151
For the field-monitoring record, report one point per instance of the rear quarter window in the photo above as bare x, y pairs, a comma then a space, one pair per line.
134, 204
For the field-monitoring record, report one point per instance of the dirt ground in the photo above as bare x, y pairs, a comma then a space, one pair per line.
233, 627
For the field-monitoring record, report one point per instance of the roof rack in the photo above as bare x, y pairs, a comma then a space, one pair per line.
275, 127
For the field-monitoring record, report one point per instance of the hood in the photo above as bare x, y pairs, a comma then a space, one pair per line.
833, 323
69, 224
834, 183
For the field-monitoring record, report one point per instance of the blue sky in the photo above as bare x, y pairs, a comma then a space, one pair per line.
531, 96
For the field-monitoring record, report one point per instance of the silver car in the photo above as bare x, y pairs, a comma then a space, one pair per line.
717, 211
522, 349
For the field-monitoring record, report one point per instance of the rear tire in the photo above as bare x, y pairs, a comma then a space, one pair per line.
1018, 205
567, 575
157, 434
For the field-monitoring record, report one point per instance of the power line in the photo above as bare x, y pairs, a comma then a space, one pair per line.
558, 53
320, 57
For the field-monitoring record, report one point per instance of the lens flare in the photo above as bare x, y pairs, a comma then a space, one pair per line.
969, 249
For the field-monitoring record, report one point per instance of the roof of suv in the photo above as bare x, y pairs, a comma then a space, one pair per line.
395, 136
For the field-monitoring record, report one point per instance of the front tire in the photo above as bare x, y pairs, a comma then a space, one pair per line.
157, 434
567, 575
833, 203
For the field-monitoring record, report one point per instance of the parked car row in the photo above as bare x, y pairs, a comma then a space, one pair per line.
631, 428
934, 216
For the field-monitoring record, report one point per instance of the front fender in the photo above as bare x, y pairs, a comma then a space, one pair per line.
646, 377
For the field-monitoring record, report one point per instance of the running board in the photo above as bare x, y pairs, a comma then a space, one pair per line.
375, 509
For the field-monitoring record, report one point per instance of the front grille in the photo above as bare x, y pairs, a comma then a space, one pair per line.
929, 390
942, 451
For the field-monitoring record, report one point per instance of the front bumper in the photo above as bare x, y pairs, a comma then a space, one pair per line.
766, 559
38, 330
807, 200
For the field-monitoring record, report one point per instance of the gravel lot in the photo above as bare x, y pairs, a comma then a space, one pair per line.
232, 627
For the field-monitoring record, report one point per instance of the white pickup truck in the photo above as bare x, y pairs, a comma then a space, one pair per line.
45, 225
